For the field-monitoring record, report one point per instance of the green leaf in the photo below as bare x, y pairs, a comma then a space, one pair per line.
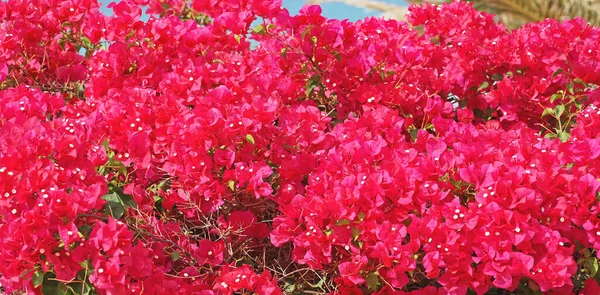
128, 201
122, 197
231, 185
355, 233
559, 110
38, 279
337, 55
578, 81
250, 139
556, 96
342, 222
61, 43
483, 85
84, 231
51, 286
260, 29
106, 145
381, 74
563, 136
175, 255
306, 31
497, 77
111, 197
115, 210
164, 185
558, 72
571, 88
289, 287
569, 167
86, 265
86, 43
591, 264
413, 133
361, 216
199, 19
547, 111
117, 202
114, 163
373, 281
312, 83
238, 37
25, 272
479, 113
317, 285
79, 288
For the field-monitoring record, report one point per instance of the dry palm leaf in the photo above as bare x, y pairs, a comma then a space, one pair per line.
515, 13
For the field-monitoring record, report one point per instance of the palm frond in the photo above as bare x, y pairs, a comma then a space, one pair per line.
515, 13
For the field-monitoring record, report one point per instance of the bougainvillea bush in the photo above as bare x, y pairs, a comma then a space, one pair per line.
228, 147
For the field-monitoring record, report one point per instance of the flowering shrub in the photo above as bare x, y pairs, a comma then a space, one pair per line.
228, 147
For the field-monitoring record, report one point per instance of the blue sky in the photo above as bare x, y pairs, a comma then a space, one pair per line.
337, 10
330, 10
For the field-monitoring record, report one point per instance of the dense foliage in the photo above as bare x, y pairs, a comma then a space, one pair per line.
224, 147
